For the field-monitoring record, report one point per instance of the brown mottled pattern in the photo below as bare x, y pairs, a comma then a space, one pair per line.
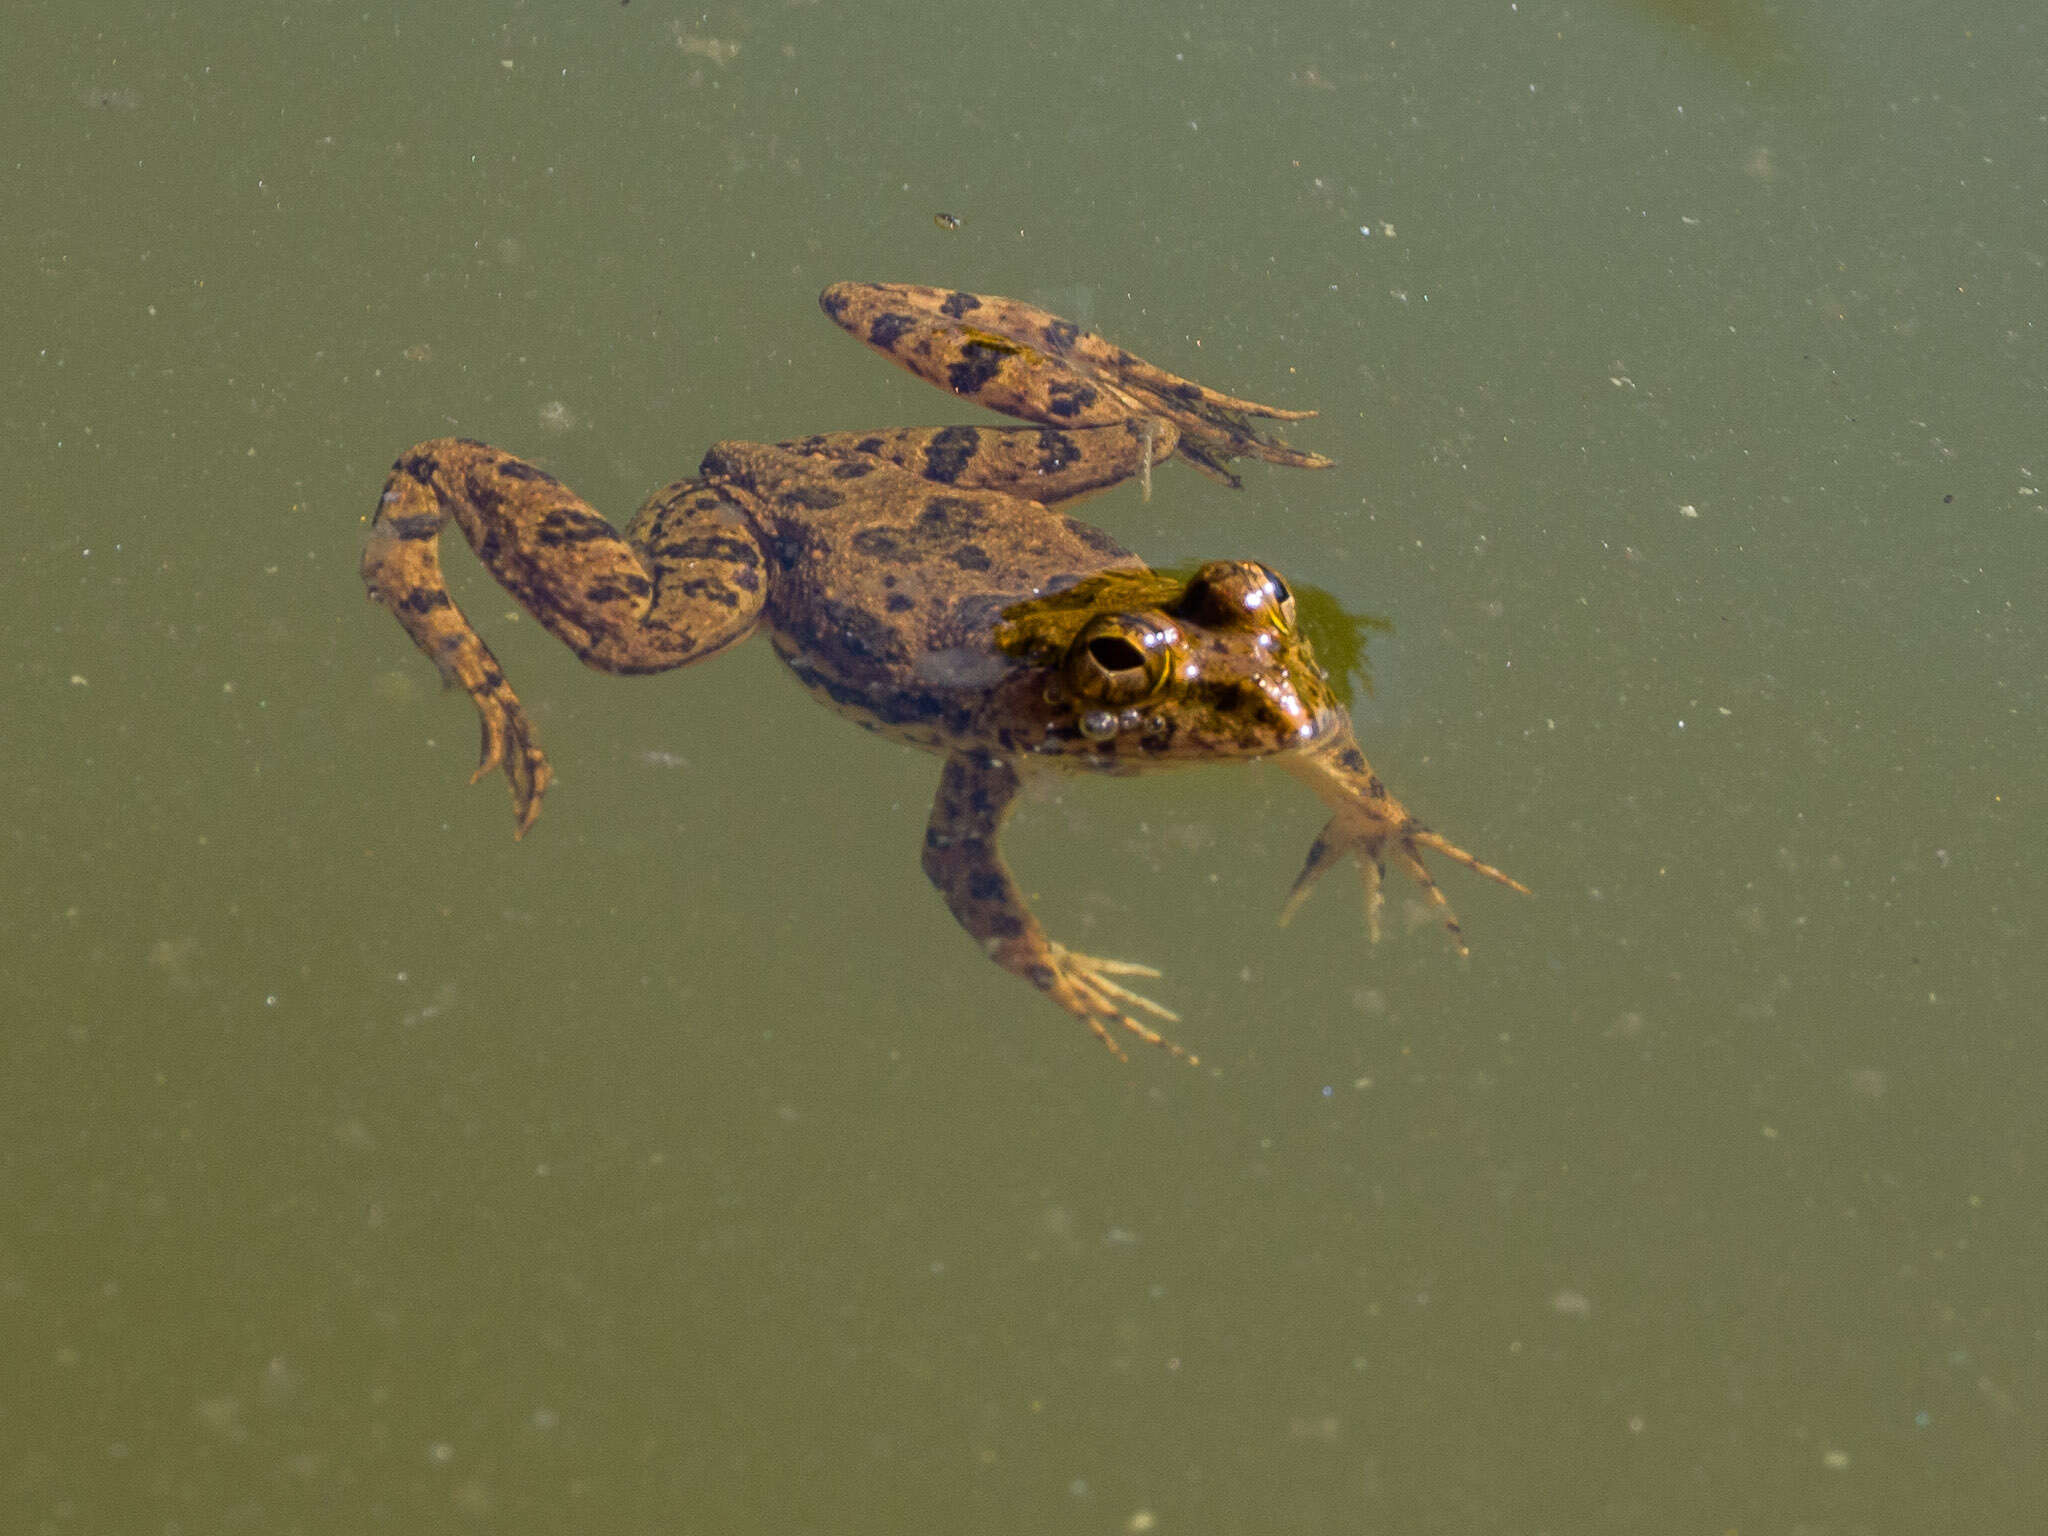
915, 580
1016, 358
568, 568
863, 590
1048, 464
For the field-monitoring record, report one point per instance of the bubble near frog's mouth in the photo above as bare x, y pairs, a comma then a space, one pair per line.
1327, 721
1118, 739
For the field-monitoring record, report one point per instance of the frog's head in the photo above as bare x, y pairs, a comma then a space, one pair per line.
1142, 666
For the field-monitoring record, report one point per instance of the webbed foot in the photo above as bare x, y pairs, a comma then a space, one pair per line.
1081, 984
1371, 827
509, 743
1371, 846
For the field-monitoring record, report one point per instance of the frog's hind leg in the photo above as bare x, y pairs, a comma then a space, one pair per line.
1027, 362
961, 858
567, 567
1048, 464
1214, 428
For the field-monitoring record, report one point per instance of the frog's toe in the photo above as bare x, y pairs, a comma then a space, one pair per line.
1328, 850
1410, 860
509, 743
1422, 837
1083, 985
1408, 851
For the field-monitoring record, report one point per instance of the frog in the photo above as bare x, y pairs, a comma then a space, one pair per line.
929, 584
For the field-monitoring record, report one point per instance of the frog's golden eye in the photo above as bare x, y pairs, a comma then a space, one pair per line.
1120, 658
1239, 594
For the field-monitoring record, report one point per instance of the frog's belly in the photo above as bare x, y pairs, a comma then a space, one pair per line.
937, 702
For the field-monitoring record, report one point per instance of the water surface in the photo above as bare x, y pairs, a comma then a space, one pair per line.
684, 1168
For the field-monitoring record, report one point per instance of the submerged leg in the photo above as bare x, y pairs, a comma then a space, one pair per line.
1026, 362
568, 568
1372, 826
961, 858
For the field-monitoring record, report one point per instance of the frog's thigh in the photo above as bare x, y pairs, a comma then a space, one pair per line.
1047, 464
566, 565
710, 580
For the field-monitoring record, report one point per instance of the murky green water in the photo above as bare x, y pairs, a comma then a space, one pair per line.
684, 1169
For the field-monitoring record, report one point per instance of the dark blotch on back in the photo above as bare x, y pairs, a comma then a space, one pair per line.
958, 304
942, 528
948, 517
948, 454
884, 544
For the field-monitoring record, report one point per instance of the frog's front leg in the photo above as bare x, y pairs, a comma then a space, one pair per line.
1372, 826
700, 589
961, 858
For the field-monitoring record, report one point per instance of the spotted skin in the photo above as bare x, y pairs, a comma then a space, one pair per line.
922, 582
1016, 358
1050, 463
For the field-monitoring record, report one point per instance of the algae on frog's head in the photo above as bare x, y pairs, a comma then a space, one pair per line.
1340, 638
1039, 630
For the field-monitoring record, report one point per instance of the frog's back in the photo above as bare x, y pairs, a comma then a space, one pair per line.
887, 588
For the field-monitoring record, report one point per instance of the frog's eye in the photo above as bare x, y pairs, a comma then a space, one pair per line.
1120, 658
1282, 595
1240, 594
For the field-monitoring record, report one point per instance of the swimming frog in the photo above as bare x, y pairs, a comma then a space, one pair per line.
922, 581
